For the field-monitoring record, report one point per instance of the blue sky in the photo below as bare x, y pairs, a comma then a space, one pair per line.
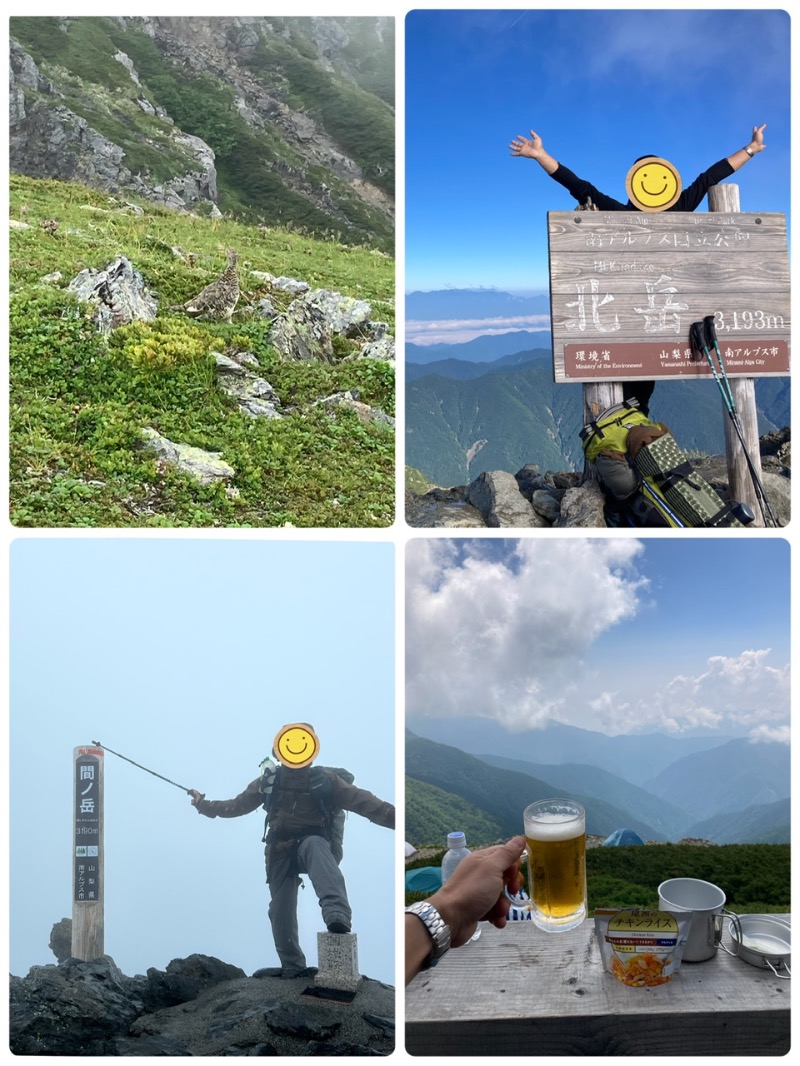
680, 636
188, 655
601, 88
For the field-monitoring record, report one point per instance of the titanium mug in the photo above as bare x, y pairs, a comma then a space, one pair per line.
554, 866
707, 905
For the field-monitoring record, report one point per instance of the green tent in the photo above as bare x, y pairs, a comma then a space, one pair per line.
424, 879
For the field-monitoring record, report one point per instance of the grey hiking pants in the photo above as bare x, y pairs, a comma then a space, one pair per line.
314, 857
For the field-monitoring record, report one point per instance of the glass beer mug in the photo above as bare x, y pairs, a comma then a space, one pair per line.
554, 868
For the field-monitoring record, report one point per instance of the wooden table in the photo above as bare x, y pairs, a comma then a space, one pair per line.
521, 991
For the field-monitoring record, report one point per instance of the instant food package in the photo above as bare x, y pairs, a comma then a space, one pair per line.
641, 948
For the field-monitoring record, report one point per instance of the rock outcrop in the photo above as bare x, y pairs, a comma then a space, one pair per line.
198, 1006
49, 140
529, 499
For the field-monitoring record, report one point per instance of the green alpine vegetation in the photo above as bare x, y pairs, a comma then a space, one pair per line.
78, 401
754, 877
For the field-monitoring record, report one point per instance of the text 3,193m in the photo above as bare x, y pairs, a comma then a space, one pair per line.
738, 320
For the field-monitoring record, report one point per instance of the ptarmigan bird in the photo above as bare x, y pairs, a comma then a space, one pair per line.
217, 300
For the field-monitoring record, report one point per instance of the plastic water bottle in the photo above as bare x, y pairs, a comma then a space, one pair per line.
456, 851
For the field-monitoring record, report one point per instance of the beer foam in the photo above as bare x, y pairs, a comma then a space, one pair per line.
552, 826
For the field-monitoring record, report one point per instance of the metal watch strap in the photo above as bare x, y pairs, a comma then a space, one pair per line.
435, 924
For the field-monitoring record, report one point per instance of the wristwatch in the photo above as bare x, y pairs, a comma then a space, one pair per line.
749, 152
436, 926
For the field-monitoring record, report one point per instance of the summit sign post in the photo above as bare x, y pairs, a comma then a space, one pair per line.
87, 853
625, 288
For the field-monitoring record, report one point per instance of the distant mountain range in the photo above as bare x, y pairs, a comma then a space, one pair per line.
503, 794
716, 788
472, 303
491, 403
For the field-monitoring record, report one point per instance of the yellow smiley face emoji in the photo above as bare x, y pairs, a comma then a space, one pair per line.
296, 745
653, 184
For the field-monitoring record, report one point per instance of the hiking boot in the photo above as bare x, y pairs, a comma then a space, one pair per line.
338, 927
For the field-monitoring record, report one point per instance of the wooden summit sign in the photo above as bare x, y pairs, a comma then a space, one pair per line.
88, 855
626, 286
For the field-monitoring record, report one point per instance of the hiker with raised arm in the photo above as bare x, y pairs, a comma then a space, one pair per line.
653, 186
303, 835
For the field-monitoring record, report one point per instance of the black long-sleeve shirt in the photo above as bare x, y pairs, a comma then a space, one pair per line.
689, 199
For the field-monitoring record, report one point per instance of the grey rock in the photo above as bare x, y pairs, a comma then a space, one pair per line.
547, 504
76, 1008
253, 394
342, 315
127, 62
306, 330
155, 1046
561, 499
283, 284
61, 939
206, 467
582, 507
119, 291
496, 495
299, 336
442, 509
351, 402
294, 1020
185, 979
383, 349
198, 1006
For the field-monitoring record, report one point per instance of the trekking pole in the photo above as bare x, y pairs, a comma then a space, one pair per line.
125, 757
703, 336
711, 335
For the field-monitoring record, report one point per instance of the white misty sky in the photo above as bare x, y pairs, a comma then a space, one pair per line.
188, 655
613, 634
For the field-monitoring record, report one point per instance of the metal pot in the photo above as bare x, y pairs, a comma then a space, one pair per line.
762, 940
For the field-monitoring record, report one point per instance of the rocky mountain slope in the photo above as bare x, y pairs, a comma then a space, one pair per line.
282, 120
531, 499
198, 1006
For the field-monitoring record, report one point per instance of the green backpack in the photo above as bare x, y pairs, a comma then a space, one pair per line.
609, 432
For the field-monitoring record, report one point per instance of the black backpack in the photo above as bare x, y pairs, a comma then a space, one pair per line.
321, 790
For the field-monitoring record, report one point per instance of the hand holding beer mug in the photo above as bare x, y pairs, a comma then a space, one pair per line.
555, 879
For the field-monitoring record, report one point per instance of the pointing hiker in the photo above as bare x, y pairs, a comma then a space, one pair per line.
665, 194
303, 835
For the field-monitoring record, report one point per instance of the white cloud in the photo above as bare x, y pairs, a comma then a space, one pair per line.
734, 694
765, 734
458, 331
498, 633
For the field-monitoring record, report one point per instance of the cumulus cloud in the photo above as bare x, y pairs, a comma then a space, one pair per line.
497, 631
741, 694
765, 734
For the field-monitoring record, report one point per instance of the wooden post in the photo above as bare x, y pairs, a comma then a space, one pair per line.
725, 198
598, 396
88, 853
